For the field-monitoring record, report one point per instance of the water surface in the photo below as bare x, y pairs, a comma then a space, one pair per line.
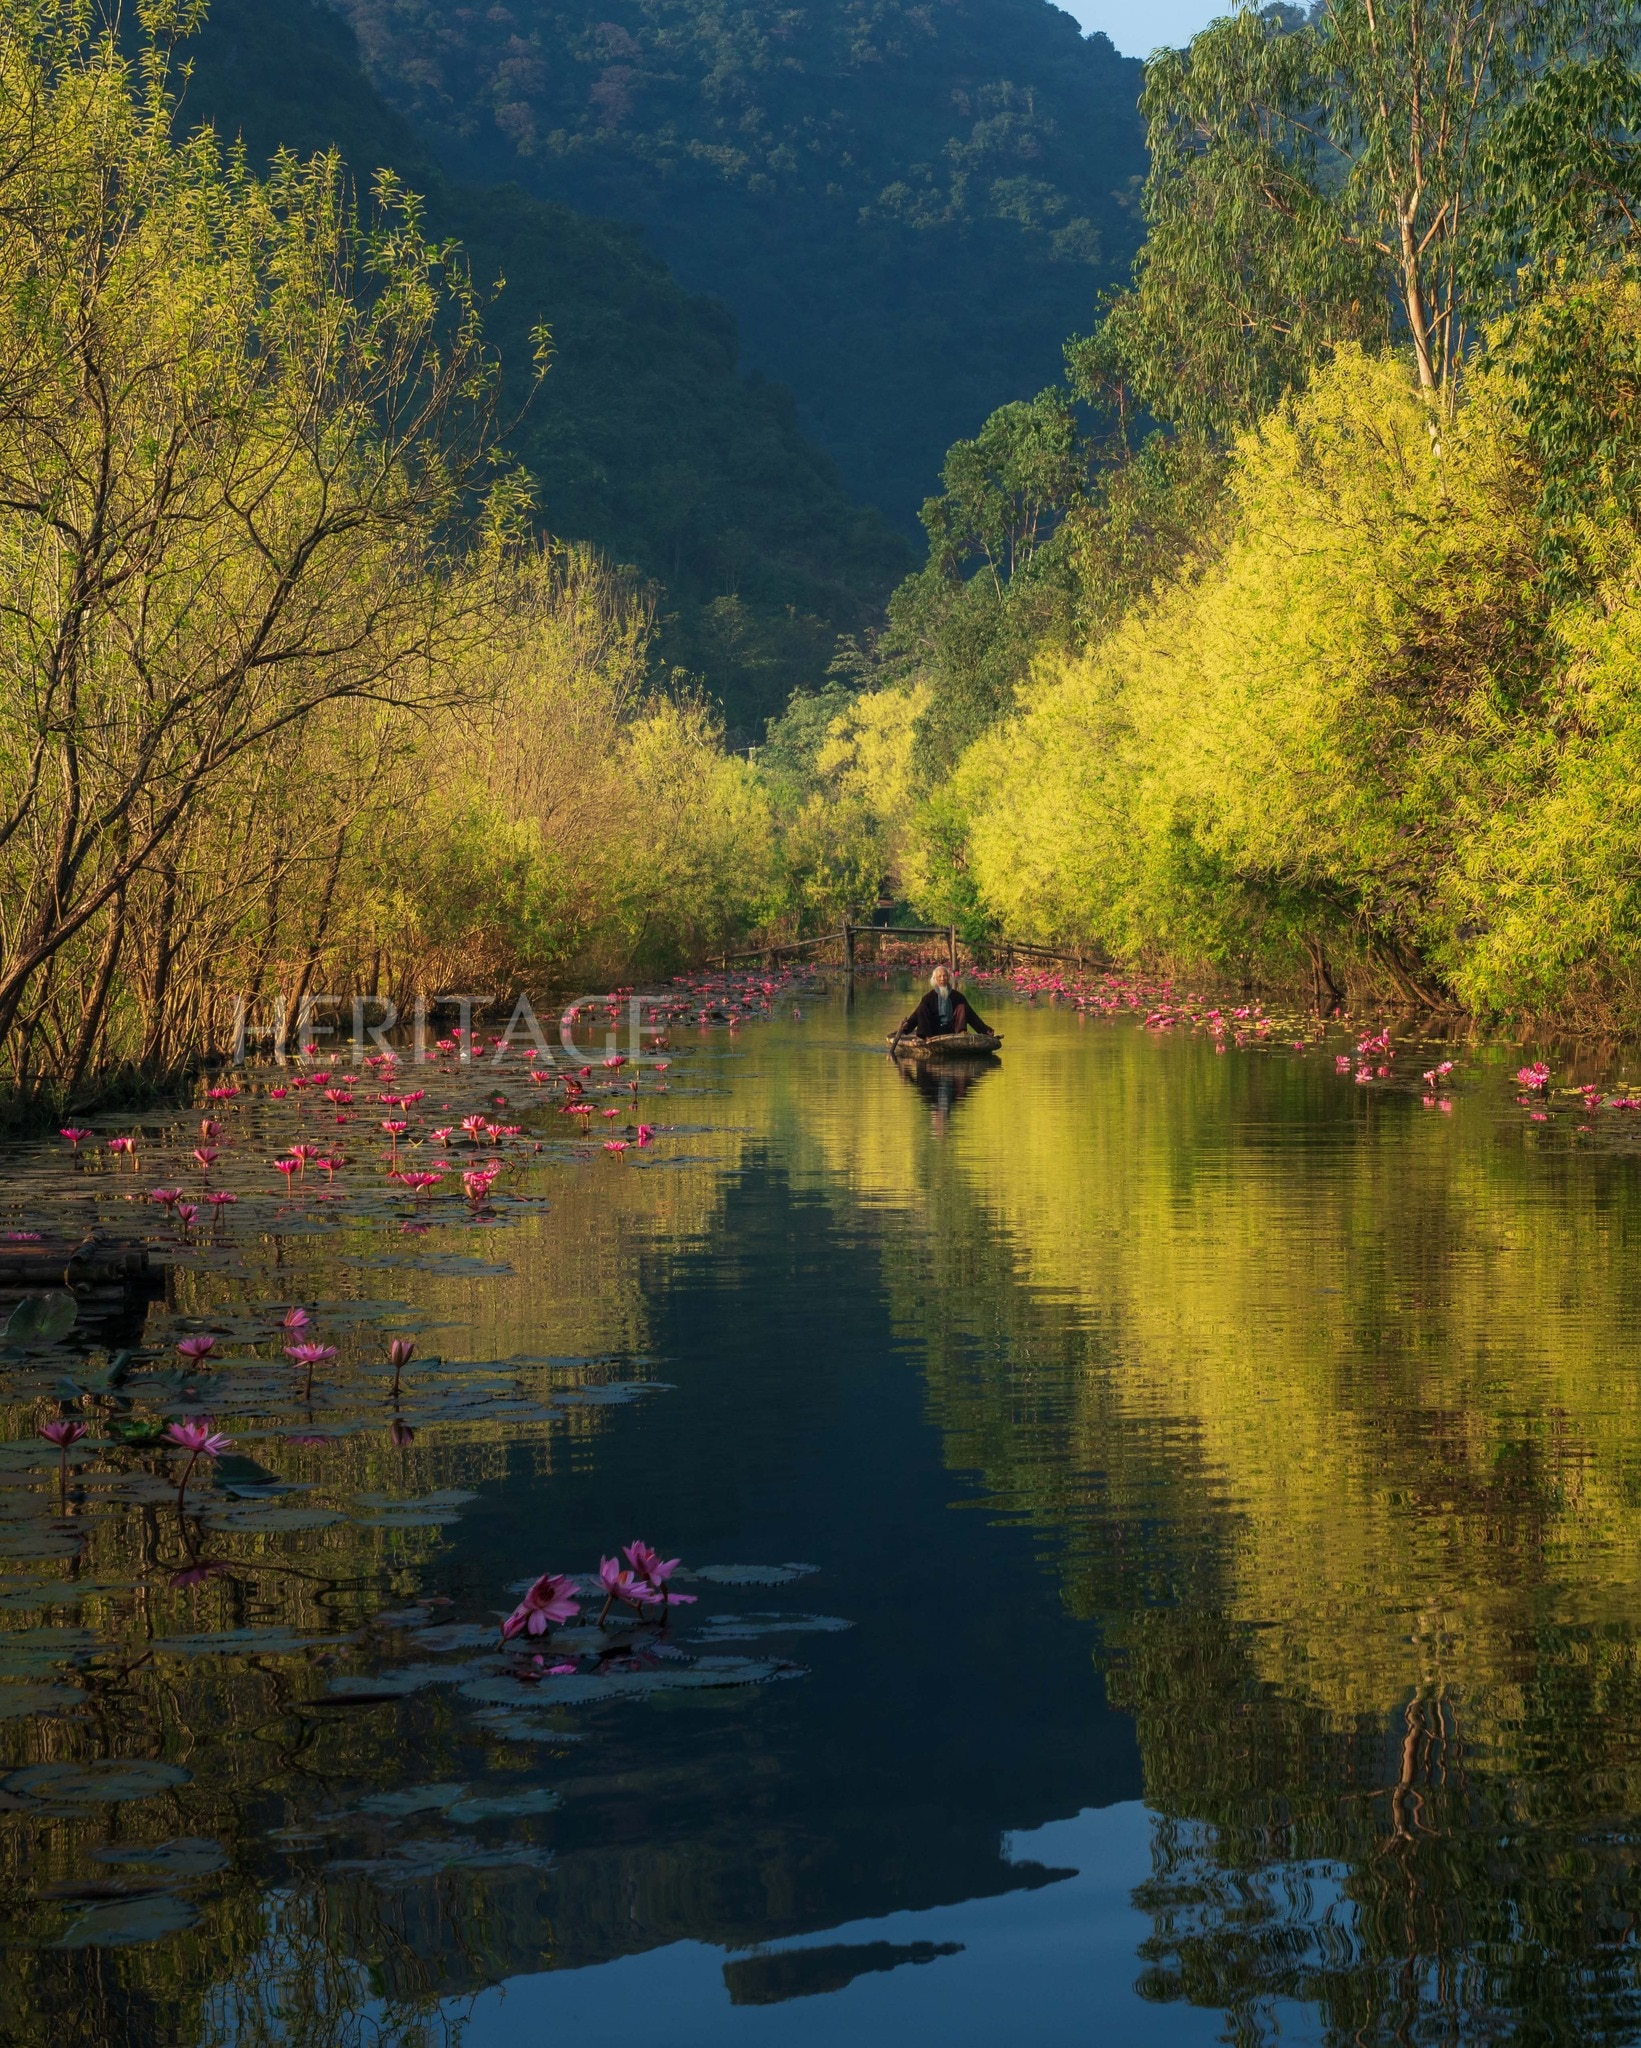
1193, 1501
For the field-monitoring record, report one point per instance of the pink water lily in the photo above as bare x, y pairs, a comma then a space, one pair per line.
399, 1354
549, 1601
124, 1145
295, 1319
206, 1156
200, 1439
645, 1133
62, 1433
621, 1584
73, 1133
166, 1197
310, 1355
196, 1349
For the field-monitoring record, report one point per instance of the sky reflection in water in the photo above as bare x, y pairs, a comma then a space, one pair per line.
1228, 1475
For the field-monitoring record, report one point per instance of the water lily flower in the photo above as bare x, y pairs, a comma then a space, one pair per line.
207, 1156
200, 1439
73, 1133
196, 1349
549, 1601
220, 1199
295, 1319
287, 1167
620, 1584
121, 1145
310, 1355
63, 1434
645, 1133
166, 1197
279, 1094
399, 1354
1535, 1076
616, 1145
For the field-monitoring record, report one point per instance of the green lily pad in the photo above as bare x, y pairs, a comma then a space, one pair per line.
583, 1687
92, 1783
187, 1856
20, 1700
252, 1517
750, 1574
407, 1861
502, 1805
742, 1628
416, 1799
37, 1539
124, 1923
40, 1319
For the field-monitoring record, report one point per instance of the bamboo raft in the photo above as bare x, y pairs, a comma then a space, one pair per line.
950, 1045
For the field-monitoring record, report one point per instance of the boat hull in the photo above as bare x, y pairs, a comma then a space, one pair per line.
954, 1045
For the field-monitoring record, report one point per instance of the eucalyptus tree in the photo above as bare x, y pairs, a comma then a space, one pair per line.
1376, 169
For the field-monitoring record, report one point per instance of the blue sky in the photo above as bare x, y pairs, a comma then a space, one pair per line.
1138, 27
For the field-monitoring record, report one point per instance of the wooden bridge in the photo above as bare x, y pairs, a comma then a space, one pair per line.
852, 939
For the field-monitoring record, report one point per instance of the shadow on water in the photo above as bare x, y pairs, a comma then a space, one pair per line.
1163, 1526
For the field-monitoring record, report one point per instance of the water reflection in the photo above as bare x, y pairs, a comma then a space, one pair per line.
944, 1083
1150, 1421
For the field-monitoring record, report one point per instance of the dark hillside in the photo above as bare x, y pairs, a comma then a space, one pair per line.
645, 438
909, 206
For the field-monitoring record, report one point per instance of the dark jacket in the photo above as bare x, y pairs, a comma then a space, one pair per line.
924, 1022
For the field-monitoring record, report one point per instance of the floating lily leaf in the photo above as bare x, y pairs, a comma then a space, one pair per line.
90, 1784
413, 1678
136, 1429
523, 1727
582, 1687
737, 1628
447, 1497
187, 1856
454, 1635
37, 1540
750, 1574
239, 1642
407, 1861
127, 1922
415, 1799
22, 1699
245, 1479
502, 1805
252, 1517
102, 1381
40, 1319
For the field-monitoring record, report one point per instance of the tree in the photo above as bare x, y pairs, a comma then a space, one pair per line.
1382, 167
245, 441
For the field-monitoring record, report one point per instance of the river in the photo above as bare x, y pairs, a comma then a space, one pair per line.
1160, 1519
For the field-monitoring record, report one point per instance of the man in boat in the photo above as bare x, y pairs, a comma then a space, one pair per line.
945, 1010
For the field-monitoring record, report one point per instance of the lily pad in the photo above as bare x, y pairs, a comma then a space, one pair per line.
743, 1628
92, 1783
124, 1923
456, 1635
187, 1856
414, 1799
40, 1319
20, 1700
37, 1539
252, 1517
582, 1687
407, 1861
516, 1725
750, 1574
502, 1805
244, 1642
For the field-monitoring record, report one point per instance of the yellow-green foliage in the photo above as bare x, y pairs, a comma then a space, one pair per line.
1360, 724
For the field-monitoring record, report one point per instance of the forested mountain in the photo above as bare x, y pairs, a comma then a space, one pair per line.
645, 438
907, 203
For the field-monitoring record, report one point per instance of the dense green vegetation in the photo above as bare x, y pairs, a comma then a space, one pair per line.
906, 205
645, 440
1294, 634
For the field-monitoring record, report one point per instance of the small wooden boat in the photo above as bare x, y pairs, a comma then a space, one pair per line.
961, 1045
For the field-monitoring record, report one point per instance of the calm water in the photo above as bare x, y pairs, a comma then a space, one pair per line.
1167, 1536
